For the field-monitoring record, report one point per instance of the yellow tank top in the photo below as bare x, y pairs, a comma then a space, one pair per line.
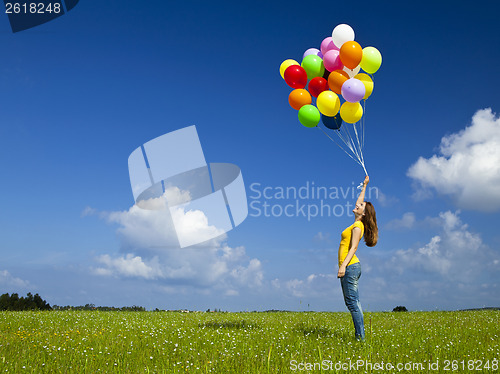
345, 242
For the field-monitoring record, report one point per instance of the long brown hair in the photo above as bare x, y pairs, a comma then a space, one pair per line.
369, 220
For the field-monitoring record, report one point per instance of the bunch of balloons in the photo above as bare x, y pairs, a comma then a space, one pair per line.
329, 74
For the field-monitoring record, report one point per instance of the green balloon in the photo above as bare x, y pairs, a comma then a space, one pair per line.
371, 60
313, 65
309, 115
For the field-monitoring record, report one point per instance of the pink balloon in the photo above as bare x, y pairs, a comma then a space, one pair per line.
327, 45
331, 60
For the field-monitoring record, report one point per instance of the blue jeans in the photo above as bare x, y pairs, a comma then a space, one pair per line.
349, 284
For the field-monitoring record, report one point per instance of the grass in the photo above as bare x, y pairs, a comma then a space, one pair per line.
280, 342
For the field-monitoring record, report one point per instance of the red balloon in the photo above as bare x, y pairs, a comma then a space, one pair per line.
317, 85
295, 76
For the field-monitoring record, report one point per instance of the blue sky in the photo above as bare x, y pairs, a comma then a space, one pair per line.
80, 93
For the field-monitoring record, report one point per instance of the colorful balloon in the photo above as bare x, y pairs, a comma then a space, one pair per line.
371, 60
328, 103
352, 72
327, 45
317, 85
309, 116
286, 64
331, 60
312, 51
336, 79
353, 90
342, 33
326, 74
367, 81
295, 76
298, 98
332, 123
313, 65
351, 112
351, 54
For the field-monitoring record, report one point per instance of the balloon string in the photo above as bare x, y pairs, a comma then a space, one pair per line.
366, 173
360, 150
354, 149
359, 145
346, 136
353, 145
363, 124
361, 163
347, 153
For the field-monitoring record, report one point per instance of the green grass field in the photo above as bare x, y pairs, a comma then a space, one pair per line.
281, 342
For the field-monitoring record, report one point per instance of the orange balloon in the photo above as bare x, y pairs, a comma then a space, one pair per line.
336, 79
298, 98
351, 54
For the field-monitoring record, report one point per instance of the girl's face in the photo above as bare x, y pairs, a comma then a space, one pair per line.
359, 209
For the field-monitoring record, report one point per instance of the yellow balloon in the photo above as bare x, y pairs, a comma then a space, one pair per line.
351, 112
328, 103
286, 64
367, 81
371, 60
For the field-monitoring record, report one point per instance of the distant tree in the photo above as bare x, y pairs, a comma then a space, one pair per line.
30, 302
400, 309
133, 308
5, 301
14, 302
40, 303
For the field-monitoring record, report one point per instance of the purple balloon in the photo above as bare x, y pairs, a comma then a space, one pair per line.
327, 45
312, 51
331, 60
353, 90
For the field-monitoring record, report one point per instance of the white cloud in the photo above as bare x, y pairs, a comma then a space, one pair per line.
220, 268
322, 237
128, 265
192, 226
313, 286
455, 253
467, 167
251, 275
406, 222
142, 228
88, 211
150, 250
150, 224
8, 280
450, 270
386, 200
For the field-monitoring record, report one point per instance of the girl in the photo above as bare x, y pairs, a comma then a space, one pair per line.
365, 222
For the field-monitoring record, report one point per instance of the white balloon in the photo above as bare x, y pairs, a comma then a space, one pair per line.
352, 72
342, 33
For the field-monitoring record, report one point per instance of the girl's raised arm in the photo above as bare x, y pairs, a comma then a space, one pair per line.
361, 197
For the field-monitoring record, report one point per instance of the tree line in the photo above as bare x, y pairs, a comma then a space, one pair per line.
30, 302
15, 303
133, 308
